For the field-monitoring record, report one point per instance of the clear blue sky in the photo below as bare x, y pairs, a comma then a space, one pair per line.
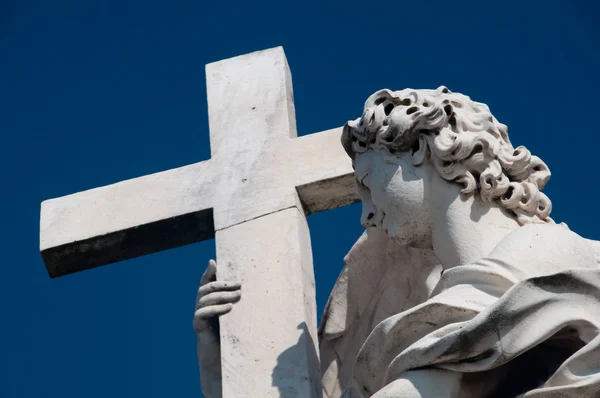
94, 92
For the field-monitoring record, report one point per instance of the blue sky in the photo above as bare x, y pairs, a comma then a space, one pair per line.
94, 92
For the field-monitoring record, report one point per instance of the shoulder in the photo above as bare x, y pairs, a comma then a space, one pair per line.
545, 248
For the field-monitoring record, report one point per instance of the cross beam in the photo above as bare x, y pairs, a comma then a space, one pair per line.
252, 196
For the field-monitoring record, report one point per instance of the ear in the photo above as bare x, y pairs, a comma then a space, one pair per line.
420, 151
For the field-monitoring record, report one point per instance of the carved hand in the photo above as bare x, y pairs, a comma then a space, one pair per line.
215, 298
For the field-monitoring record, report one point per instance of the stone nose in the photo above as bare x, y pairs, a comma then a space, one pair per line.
367, 221
368, 216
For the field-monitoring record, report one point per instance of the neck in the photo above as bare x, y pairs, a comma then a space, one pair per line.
465, 229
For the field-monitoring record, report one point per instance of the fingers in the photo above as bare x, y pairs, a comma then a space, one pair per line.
218, 286
203, 316
210, 273
212, 311
219, 298
215, 298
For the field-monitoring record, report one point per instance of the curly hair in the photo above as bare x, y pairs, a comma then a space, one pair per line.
464, 142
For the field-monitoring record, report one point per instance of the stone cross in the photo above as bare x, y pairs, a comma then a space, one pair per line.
253, 196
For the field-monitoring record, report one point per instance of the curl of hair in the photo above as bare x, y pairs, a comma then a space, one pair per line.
465, 143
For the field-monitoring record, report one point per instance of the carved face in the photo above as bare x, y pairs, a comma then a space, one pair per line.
395, 195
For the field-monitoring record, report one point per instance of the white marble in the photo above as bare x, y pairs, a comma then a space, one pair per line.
262, 171
437, 171
462, 285
252, 196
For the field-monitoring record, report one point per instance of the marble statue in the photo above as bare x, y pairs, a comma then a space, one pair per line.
461, 285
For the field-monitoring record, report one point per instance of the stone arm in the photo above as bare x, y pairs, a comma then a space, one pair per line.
214, 299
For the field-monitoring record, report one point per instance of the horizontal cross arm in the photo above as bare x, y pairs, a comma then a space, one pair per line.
324, 176
127, 219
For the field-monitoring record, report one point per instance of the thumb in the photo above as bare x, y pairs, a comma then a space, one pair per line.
210, 274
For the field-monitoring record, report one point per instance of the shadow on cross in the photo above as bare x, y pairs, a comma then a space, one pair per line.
296, 365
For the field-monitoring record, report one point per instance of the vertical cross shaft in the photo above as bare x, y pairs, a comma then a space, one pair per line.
268, 341
252, 195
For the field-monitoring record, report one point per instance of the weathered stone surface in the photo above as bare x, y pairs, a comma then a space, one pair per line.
129, 243
252, 193
256, 174
127, 219
329, 185
251, 111
516, 310
268, 341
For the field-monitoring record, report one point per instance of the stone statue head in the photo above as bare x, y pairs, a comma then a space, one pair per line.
458, 138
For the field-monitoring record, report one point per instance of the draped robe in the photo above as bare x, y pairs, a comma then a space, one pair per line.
526, 317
